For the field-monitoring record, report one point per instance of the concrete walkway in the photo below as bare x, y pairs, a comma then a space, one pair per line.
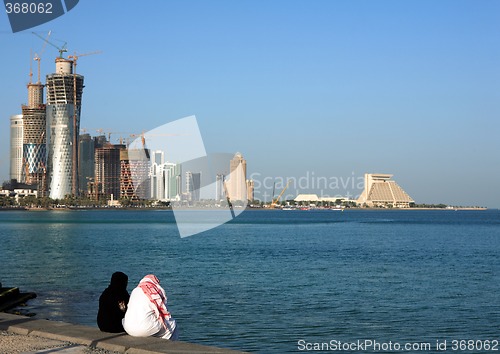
80, 337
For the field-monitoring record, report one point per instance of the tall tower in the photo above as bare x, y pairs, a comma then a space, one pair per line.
34, 139
193, 185
236, 185
108, 170
64, 98
219, 187
250, 189
85, 162
16, 147
157, 175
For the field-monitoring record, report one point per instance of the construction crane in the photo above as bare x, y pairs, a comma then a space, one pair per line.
143, 136
274, 203
143, 141
38, 57
76, 56
61, 49
109, 134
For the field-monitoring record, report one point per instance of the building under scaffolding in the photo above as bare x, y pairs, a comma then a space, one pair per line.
107, 171
34, 139
134, 181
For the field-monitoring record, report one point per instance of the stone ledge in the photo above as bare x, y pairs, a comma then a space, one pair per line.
94, 338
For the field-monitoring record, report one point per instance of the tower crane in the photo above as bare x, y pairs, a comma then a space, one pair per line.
101, 131
143, 138
61, 49
38, 57
143, 141
76, 56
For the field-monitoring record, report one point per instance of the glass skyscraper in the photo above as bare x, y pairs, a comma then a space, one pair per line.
64, 97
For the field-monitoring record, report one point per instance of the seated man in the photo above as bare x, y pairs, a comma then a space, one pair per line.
113, 304
147, 313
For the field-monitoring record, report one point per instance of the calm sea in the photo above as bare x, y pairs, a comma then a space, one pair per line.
273, 281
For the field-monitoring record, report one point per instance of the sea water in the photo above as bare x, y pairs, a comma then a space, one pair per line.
274, 281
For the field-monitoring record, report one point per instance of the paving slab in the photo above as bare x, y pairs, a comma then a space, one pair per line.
164, 346
72, 333
79, 337
30, 325
16, 343
119, 342
71, 349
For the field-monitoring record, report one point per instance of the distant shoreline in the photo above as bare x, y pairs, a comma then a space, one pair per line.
222, 209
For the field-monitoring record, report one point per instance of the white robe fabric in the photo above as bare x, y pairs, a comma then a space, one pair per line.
141, 318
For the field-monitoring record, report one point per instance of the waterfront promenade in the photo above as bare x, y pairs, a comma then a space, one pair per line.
20, 334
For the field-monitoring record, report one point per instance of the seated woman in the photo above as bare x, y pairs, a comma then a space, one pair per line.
147, 313
113, 304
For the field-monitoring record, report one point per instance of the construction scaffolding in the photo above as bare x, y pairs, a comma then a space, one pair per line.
108, 170
134, 181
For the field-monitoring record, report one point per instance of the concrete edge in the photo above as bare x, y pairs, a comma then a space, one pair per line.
94, 338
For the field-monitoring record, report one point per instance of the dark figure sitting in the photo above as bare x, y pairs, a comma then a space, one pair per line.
113, 304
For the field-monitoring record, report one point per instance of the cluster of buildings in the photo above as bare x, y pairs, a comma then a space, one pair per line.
380, 191
49, 157
44, 137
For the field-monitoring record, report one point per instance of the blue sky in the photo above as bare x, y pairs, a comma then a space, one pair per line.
311, 89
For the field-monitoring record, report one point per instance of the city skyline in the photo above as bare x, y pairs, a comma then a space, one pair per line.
323, 89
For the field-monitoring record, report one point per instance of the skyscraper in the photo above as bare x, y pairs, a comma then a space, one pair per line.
16, 147
165, 178
236, 185
64, 97
34, 127
193, 185
173, 181
108, 170
219, 187
135, 177
85, 162
250, 189
157, 175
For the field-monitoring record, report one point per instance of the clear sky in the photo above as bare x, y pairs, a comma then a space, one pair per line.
318, 90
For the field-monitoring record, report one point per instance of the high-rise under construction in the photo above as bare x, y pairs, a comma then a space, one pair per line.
64, 98
34, 139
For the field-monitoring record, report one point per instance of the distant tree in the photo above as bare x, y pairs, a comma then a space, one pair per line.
7, 201
125, 202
